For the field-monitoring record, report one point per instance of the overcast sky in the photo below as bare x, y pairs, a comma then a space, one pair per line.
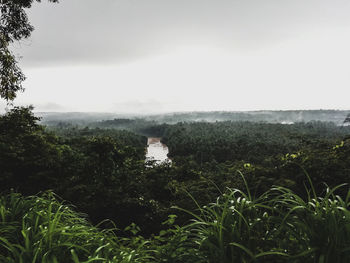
146, 56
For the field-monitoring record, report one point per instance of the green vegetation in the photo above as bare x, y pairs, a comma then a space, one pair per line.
42, 229
192, 210
278, 226
121, 208
228, 141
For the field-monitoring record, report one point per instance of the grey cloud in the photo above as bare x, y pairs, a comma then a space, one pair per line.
116, 31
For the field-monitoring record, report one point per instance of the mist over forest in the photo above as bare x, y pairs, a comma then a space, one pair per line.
285, 117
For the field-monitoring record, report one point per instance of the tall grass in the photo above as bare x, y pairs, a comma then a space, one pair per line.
319, 225
237, 228
278, 226
43, 229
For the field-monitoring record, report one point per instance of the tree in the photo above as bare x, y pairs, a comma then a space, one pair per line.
14, 26
31, 159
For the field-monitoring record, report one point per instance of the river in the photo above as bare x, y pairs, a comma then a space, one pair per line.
157, 151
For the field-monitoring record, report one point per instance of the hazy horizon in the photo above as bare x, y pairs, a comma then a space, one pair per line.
159, 56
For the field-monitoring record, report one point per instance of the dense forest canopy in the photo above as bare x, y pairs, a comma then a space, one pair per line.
102, 171
35, 158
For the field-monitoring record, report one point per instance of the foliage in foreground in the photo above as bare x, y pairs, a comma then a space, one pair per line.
278, 226
42, 229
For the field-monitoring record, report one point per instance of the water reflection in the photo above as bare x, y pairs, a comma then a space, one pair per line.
157, 151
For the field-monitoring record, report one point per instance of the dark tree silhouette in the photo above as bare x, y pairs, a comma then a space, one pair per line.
14, 26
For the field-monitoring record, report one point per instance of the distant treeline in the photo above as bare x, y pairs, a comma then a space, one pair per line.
116, 120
